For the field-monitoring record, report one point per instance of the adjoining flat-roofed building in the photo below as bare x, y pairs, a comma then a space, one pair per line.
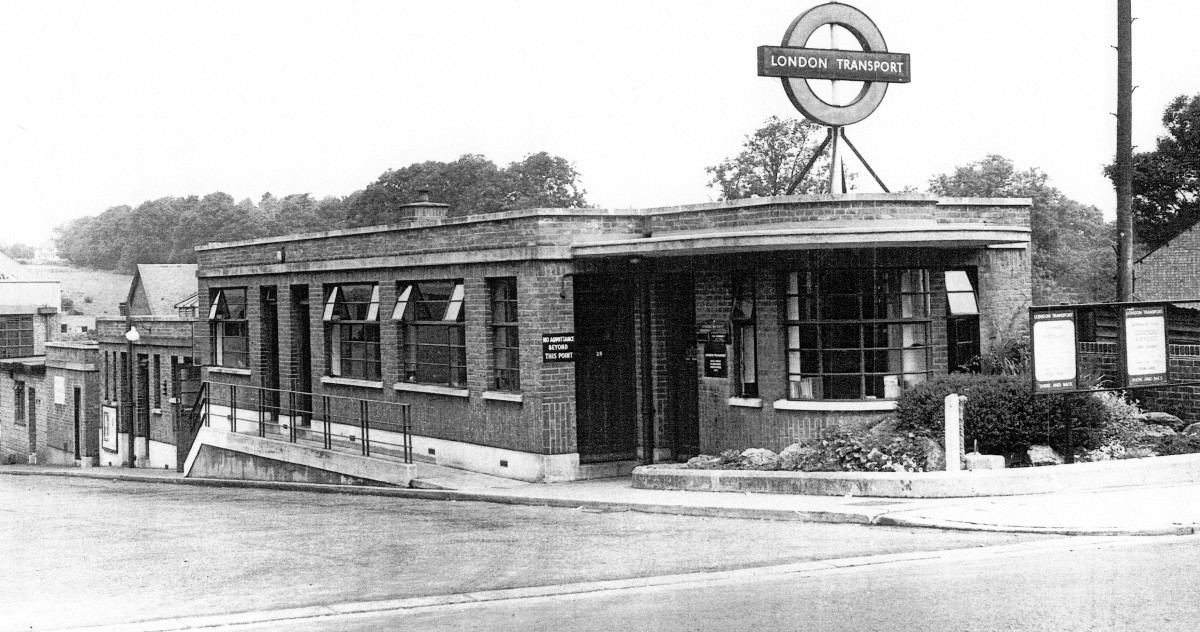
162, 355
557, 344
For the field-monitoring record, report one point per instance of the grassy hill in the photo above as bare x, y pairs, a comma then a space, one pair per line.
95, 292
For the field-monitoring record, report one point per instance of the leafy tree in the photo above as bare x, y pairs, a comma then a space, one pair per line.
770, 160
1073, 258
1166, 181
470, 185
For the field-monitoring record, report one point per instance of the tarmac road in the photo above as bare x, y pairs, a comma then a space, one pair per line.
82, 552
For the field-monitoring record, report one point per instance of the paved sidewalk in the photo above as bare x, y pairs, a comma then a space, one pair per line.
1123, 511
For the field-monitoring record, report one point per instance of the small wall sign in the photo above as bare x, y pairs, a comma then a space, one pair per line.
716, 359
1145, 345
558, 347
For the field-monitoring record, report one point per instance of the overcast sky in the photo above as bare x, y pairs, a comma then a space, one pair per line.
115, 102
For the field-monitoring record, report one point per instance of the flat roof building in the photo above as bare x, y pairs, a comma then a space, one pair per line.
557, 344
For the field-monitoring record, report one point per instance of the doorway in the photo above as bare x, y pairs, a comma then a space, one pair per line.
605, 395
683, 382
301, 403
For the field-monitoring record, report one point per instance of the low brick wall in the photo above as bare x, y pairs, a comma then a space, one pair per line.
1076, 477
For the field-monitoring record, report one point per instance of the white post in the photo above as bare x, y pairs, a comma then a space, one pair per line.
954, 435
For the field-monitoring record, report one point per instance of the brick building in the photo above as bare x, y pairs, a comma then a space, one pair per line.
555, 344
44, 383
161, 353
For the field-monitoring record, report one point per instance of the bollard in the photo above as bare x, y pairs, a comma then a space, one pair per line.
954, 432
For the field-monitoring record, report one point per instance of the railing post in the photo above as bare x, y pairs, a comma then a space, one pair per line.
292, 416
233, 408
262, 426
407, 429
366, 431
328, 426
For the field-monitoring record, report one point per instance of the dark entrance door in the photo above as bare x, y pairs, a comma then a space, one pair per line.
605, 397
301, 404
270, 352
78, 421
683, 384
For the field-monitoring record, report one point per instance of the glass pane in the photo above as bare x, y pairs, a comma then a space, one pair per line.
840, 307
794, 363
958, 281
842, 361
962, 303
915, 335
842, 387
840, 337
401, 309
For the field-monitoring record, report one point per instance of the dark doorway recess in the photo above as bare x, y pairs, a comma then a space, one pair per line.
683, 384
605, 396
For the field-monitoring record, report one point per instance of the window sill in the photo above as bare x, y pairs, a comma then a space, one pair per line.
746, 402
503, 396
833, 406
349, 381
432, 389
228, 370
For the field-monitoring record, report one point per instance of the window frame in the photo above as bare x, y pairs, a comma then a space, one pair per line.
19, 394
419, 332
743, 294
227, 326
504, 326
856, 329
352, 332
16, 336
963, 344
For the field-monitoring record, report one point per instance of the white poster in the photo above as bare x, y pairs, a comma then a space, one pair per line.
60, 390
1145, 345
108, 430
1054, 352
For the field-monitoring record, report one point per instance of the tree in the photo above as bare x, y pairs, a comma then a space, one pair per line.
1073, 258
470, 185
770, 160
1166, 181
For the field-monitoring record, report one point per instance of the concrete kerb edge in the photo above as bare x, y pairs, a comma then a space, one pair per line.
503, 499
895, 521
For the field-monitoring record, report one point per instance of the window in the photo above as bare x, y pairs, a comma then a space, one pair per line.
230, 329
432, 332
352, 331
962, 322
506, 367
19, 402
16, 336
745, 336
156, 381
856, 333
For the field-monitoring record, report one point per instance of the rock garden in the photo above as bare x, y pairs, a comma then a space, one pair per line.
1001, 416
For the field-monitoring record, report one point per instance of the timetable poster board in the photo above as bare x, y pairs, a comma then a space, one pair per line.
1054, 365
108, 428
1145, 330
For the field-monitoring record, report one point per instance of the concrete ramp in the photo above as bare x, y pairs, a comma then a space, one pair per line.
228, 455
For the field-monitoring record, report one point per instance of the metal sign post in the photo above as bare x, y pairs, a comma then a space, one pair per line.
796, 65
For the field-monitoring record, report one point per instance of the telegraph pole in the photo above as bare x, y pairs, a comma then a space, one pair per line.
1124, 161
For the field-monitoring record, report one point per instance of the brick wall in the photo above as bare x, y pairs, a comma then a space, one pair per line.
1172, 271
74, 366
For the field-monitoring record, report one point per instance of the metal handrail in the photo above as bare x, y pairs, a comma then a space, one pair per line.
284, 414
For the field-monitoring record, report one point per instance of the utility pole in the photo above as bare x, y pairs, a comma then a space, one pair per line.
1124, 161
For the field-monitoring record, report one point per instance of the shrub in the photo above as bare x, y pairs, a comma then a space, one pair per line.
838, 450
1002, 414
1177, 444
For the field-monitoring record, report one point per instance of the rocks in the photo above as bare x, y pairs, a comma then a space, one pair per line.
935, 456
1155, 431
760, 459
704, 462
791, 457
977, 461
1043, 455
1164, 419
886, 429
1192, 430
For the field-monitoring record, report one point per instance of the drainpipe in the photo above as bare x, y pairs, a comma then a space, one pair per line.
647, 363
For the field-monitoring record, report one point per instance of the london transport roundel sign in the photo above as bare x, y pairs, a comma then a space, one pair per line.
796, 65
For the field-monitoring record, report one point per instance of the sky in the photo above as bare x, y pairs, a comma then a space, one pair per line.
116, 102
